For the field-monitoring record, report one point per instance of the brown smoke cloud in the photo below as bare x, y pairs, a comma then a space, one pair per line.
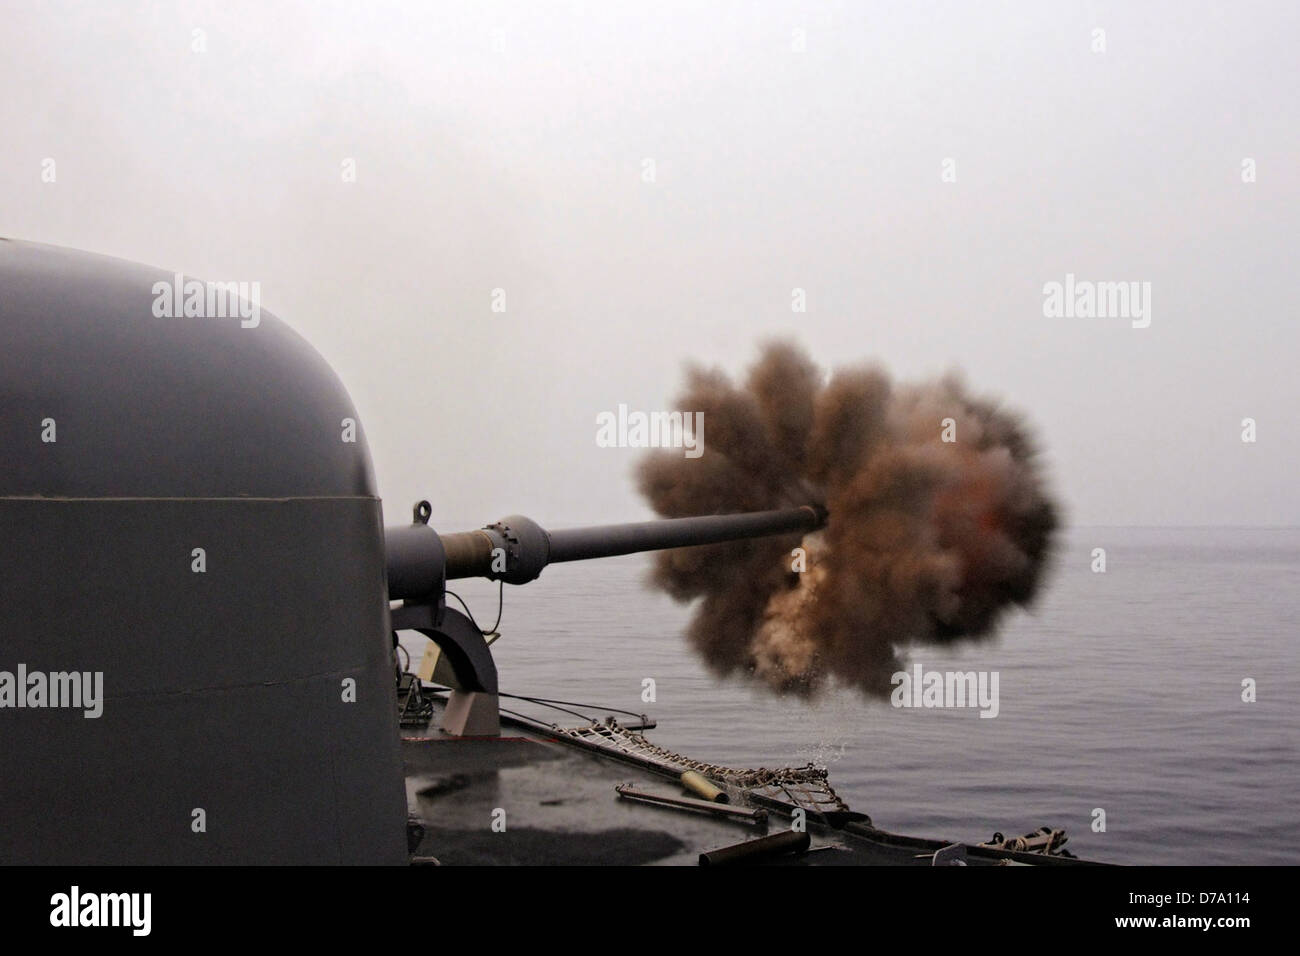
927, 541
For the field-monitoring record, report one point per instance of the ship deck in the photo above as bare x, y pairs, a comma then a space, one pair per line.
528, 799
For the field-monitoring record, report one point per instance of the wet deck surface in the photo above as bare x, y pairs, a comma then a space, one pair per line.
560, 808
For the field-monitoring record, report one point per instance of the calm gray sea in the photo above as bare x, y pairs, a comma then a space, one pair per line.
1119, 691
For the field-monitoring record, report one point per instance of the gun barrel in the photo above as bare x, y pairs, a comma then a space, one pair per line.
516, 549
604, 541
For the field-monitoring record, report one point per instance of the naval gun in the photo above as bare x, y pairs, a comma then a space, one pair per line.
198, 595
515, 550
193, 537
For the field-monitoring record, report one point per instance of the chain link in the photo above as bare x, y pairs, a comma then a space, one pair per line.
807, 787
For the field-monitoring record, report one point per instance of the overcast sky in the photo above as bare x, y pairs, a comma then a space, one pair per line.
504, 145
